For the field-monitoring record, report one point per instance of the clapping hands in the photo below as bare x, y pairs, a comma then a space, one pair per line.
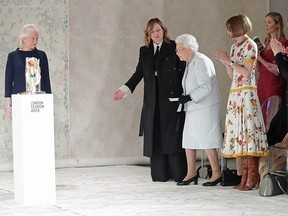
222, 56
276, 46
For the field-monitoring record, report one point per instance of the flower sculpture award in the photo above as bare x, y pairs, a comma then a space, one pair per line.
33, 76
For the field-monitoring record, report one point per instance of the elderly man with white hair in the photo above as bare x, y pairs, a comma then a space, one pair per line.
201, 100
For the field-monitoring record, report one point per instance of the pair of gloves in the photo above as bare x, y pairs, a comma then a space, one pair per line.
184, 99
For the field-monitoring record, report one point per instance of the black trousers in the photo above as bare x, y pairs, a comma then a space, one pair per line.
165, 166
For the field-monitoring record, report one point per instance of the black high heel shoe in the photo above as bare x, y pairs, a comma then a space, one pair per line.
189, 181
213, 183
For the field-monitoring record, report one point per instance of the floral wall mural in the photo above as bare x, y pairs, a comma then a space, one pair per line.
51, 17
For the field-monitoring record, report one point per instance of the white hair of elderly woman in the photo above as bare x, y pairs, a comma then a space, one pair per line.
188, 41
26, 31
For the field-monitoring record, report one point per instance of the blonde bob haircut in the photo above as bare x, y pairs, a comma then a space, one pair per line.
239, 25
25, 32
149, 28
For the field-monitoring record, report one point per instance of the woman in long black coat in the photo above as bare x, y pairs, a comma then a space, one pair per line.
161, 124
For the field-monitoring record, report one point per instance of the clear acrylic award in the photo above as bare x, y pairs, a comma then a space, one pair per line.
33, 76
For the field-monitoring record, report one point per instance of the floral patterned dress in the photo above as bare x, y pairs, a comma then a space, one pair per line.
245, 133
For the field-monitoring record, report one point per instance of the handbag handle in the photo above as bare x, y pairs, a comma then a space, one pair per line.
280, 186
281, 174
224, 165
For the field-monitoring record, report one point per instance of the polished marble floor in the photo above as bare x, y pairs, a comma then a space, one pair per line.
128, 190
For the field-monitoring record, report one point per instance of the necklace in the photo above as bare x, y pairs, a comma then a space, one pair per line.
242, 41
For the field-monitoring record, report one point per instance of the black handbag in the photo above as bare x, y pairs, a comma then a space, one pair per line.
229, 176
208, 171
274, 183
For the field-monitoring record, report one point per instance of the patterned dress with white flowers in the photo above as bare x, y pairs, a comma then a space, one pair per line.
245, 133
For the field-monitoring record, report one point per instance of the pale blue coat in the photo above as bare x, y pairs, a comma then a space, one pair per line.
202, 129
200, 82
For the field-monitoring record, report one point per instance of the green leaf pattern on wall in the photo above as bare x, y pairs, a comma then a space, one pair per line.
51, 17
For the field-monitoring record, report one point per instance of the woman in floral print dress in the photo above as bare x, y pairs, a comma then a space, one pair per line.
245, 135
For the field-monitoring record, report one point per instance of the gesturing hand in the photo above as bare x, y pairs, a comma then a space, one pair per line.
184, 99
118, 95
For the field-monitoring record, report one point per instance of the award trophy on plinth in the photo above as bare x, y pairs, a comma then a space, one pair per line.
33, 76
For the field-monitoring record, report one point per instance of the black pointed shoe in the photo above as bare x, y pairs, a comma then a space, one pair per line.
189, 181
213, 183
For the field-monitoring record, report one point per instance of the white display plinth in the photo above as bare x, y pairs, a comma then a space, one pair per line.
33, 149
